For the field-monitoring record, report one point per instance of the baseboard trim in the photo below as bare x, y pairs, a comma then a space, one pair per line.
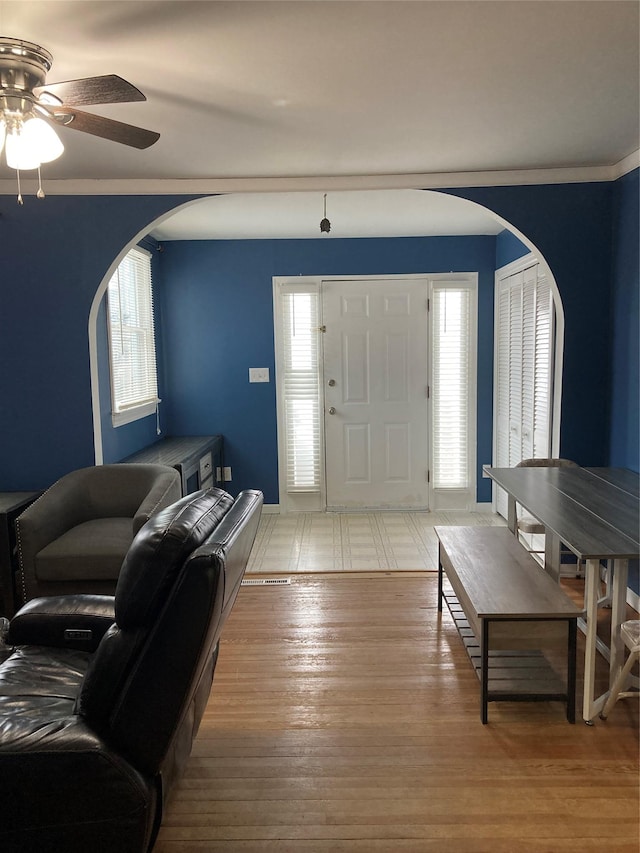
271, 509
484, 506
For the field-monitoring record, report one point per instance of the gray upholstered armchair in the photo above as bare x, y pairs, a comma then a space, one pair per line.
75, 536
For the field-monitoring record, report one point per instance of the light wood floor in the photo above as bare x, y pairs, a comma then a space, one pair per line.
344, 717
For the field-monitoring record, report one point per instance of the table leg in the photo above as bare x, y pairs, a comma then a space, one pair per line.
484, 671
618, 616
511, 513
592, 582
552, 548
571, 669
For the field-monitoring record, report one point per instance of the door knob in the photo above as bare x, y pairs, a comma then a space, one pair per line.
332, 382
332, 411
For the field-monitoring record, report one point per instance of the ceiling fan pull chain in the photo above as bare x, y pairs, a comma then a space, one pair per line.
20, 201
40, 193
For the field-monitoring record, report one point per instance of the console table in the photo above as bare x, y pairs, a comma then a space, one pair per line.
11, 505
197, 458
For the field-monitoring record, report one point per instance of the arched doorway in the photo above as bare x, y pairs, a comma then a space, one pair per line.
270, 200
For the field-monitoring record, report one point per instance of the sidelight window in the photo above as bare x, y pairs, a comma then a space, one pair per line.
452, 329
300, 387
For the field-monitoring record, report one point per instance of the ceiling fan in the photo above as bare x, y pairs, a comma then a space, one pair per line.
30, 107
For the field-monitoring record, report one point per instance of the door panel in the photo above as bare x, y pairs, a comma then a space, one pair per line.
357, 447
355, 367
398, 452
375, 370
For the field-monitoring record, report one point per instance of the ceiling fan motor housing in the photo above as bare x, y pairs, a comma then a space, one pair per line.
23, 67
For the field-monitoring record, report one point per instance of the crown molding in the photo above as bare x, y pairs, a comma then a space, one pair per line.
324, 183
627, 164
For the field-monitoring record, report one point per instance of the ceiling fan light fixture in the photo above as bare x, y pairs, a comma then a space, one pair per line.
42, 139
325, 225
28, 109
30, 143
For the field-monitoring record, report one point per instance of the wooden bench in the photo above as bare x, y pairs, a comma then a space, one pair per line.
507, 610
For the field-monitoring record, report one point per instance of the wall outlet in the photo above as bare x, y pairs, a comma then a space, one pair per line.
258, 374
218, 474
227, 473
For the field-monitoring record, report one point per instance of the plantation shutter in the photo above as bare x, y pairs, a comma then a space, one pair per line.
301, 391
502, 377
527, 395
515, 369
543, 375
134, 381
524, 369
452, 386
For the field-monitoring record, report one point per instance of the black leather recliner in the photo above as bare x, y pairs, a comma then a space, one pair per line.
102, 696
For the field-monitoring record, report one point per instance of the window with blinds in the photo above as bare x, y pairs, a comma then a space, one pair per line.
300, 388
134, 384
451, 325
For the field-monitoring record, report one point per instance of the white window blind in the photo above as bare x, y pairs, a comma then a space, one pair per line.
515, 369
300, 381
524, 369
134, 385
542, 390
452, 386
503, 304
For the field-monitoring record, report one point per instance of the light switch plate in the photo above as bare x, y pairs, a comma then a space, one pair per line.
258, 374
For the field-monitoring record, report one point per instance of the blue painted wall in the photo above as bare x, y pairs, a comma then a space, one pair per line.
571, 226
218, 322
624, 438
55, 254
509, 248
58, 250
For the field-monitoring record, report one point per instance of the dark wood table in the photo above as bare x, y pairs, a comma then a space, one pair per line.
596, 514
197, 458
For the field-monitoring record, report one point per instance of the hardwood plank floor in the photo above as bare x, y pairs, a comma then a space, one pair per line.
344, 717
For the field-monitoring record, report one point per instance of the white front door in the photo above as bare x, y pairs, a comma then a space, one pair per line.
375, 393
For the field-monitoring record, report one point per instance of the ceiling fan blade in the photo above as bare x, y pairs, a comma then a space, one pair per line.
107, 89
107, 128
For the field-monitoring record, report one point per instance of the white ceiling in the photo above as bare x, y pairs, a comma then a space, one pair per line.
321, 96
368, 213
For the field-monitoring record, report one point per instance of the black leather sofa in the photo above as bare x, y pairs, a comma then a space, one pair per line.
101, 697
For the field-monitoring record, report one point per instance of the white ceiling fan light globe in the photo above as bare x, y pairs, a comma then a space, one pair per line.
20, 155
3, 133
31, 143
42, 139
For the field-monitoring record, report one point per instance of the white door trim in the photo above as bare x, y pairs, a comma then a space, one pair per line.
317, 501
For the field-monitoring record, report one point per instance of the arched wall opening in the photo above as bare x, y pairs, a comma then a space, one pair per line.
97, 378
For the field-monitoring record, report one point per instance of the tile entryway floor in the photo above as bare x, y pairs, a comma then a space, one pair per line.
334, 542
